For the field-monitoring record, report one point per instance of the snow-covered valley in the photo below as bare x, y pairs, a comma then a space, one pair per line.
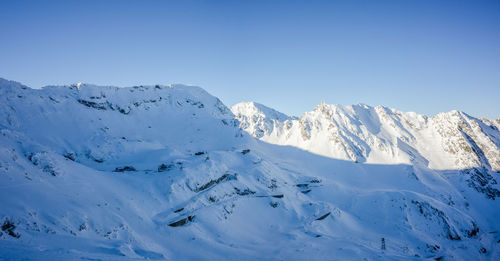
171, 173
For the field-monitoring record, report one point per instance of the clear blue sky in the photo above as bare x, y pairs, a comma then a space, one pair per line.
423, 56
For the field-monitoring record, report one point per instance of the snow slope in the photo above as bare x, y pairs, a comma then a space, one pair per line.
165, 173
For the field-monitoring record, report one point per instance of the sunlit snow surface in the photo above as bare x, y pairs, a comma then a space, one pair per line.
165, 173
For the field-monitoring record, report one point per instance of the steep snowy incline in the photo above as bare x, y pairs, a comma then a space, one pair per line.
165, 173
361, 133
105, 126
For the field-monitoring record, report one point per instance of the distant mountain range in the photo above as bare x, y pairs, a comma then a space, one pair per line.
380, 135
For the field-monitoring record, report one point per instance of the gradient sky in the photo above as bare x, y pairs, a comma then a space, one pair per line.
423, 56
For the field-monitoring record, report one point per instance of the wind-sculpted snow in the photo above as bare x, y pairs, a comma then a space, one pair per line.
165, 173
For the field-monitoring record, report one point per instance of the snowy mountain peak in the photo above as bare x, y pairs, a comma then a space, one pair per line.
259, 118
379, 134
252, 108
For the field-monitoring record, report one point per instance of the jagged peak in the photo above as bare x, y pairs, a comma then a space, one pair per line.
324, 105
363, 105
326, 108
252, 108
354, 110
454, 115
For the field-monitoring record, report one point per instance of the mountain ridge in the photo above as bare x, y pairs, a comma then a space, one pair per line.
155, 172
351, 128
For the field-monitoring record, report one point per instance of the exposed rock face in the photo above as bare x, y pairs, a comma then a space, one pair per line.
361, 133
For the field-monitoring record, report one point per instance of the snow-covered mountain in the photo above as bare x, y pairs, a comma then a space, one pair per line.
361, 133
166, 172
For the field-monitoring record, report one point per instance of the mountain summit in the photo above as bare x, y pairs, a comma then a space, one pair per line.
360, 133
